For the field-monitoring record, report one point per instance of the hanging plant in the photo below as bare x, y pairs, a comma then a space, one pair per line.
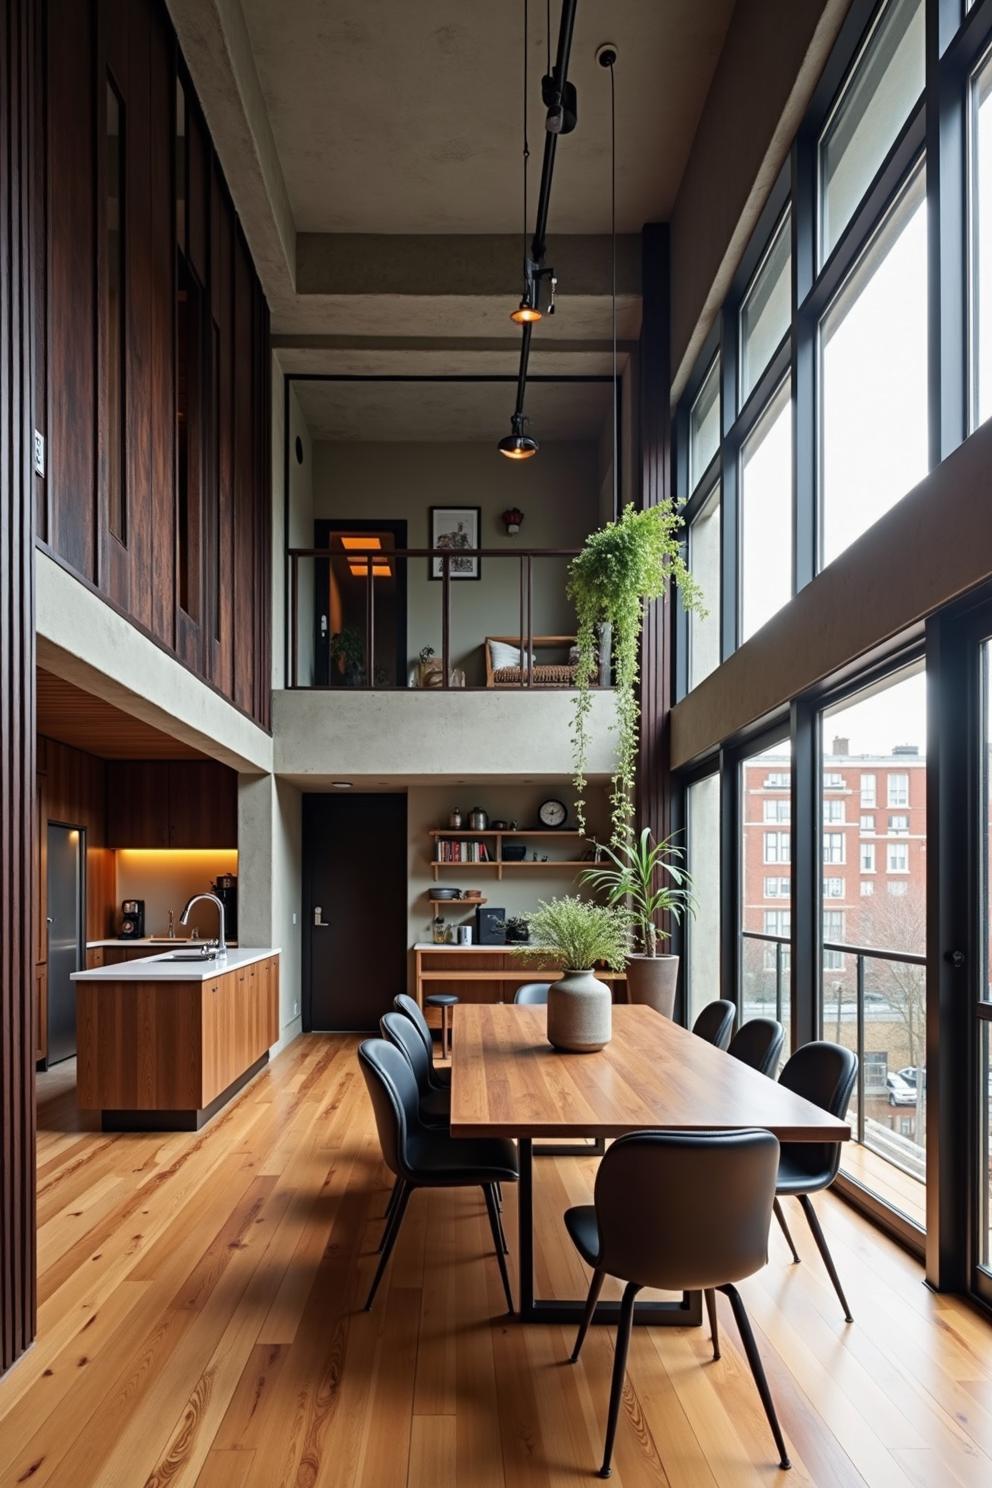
621, 567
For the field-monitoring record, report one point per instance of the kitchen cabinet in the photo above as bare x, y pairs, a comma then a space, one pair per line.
171, 803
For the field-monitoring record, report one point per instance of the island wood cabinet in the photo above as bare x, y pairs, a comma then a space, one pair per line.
167, 1054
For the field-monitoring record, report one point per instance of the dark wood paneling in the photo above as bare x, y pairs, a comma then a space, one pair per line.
244, 475
78, 718
18, 206
159, 578
137, 804
72, 789
221, 302
179, 803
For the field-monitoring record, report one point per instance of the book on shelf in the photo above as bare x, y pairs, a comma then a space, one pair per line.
454, 850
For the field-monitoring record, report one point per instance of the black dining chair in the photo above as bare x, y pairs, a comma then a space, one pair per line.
435, 1105
715, 1023
532, 994
825, 1074
759, 1044
424, 1157
440, 1077
715, 1235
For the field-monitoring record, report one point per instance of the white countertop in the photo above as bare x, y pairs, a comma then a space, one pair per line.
161, 969
147, 940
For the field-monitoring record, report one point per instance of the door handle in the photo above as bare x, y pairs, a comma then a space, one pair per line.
318, 918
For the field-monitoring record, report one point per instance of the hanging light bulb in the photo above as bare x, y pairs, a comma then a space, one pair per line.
517, 445
526, 312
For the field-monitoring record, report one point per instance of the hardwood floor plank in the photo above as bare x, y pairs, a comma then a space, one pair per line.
202, 1327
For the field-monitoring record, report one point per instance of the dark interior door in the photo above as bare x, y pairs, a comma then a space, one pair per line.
65, 935
355, 901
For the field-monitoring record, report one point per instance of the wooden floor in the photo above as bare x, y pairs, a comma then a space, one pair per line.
200, 1324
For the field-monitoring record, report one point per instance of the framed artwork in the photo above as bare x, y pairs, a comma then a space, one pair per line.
455, 527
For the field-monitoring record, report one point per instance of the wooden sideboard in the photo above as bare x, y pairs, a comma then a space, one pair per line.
484, 974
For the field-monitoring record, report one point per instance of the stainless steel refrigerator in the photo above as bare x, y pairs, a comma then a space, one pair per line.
65, 937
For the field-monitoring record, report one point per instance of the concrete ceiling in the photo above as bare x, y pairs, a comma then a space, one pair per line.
450, 412
399, 117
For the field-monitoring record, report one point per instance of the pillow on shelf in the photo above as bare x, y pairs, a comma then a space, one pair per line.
504, 655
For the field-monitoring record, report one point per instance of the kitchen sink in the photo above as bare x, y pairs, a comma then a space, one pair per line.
204, 955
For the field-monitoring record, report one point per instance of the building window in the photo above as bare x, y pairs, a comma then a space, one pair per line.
898, 789
833, 847
776, 922
898, 888
897, 857
898, 825
704, 425
777, 847
777, 810
777, 780
873, 379
867, 822
833, 888
833, 780
833, 930
868, 786
702, 930
867, 888
833, 811
873, 105
981, 234
766, 515
704, 561
778, 888
766, 309
867, 857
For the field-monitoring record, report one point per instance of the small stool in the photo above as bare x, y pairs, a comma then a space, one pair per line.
445, 1001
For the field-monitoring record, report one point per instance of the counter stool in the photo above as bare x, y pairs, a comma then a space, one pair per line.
445, 1001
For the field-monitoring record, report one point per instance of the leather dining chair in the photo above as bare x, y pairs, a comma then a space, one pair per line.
715, 1023
759, 1044
424, 1157
532, 994
435, 1105
440, 1077
825, 1074
715, 1235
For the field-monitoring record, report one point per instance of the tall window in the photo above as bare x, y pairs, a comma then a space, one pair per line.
704, 561
981, 235
703, 861
868, 786
886, 723
833, 811
766, 515
873, 378
765, 874
766, 309
833, 847
876, 100
704, 425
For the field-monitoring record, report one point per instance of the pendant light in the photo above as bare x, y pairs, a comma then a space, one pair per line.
518, 445
606, 56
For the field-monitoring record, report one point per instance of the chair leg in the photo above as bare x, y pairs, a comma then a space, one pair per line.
595, 1287
757, 1370
389, 1240
390, 1215
498, 1241
393, 1197
499, 1225
780, 1216
619, 1371
821, 1245
710, 1296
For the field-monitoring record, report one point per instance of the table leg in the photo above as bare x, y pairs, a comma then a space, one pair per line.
686, 1313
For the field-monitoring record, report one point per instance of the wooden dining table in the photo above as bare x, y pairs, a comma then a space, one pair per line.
507, 1081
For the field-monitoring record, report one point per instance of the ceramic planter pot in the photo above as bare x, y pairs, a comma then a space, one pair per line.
652, 980
580, 1013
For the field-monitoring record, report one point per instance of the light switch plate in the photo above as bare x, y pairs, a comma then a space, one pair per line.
39, 453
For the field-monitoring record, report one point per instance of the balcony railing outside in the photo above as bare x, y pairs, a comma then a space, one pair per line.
876, 1001
534, 591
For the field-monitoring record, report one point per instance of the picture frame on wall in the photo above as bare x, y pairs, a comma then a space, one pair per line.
456, 527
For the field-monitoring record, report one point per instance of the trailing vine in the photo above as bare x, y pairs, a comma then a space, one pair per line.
622, 567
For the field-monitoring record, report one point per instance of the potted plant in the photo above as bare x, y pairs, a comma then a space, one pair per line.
577, 935
346, 655
621, 567
635, 875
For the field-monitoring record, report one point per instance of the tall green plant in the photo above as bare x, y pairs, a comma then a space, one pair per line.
622, 567
635, 875
577, 935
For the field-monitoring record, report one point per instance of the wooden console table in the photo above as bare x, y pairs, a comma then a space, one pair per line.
483, 973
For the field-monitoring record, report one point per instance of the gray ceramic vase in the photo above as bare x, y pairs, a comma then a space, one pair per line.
580, 1013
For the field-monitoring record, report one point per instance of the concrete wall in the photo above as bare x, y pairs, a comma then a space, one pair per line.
769, 66
558, 494
417, 736
270, 883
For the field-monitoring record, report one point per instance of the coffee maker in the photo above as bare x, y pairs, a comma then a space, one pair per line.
132, 926
226, 889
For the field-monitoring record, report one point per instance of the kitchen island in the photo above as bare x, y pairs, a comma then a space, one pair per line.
164, 1043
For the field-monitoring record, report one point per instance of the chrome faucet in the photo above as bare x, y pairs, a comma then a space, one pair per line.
222, 939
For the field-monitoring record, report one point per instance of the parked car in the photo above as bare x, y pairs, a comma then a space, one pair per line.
910, 1074
901, 1092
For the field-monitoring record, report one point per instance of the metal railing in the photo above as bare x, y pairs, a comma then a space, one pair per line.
524, 558
862, 954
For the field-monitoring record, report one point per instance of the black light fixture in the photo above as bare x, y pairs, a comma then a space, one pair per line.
518, 445
606, 56
528, 311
